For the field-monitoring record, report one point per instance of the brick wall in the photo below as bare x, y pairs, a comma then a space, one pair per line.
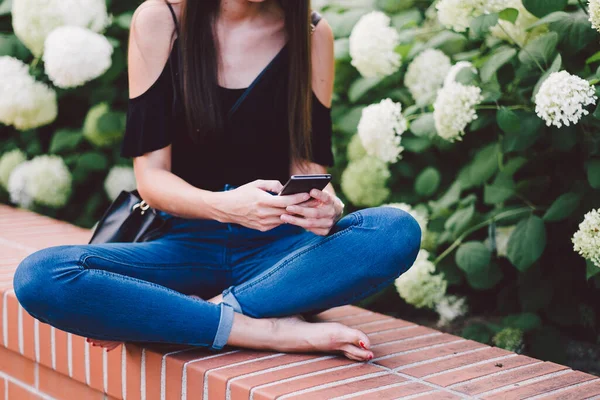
411, 361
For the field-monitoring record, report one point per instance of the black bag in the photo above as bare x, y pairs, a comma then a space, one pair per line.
128, 219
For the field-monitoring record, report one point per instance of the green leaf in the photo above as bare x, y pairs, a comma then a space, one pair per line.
501, 190
509, 14
591, 270
477, 332
527, 243
92, 161
575, 31
540, 49
342, 49
360, 87
348, 121
555, 67
483, 167
525, 321
460, 219
123, 21
541, 8
482, 24
428, 182
416, 144
485, 278
593, 173
5, 7
65, 140
424, 126
448, 199
498, 59
472, 257
593, 59
562, 207
552, 17
522, 129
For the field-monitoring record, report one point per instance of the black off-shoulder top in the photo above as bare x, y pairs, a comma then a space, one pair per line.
255, 144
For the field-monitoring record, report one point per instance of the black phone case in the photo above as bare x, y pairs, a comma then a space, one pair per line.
304, 185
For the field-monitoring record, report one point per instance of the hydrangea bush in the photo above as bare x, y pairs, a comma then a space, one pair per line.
478, 117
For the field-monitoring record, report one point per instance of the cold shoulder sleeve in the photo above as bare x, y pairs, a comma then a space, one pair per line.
321, 134
149, 117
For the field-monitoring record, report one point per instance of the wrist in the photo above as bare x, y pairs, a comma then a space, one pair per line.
339, 207
214, 203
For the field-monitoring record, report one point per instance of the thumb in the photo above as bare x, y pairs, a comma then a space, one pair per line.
269, 185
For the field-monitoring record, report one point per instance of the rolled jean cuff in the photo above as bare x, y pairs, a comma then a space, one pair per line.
224, 329
229, 298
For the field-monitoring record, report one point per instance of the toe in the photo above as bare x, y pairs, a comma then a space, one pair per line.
359, 339
356, 353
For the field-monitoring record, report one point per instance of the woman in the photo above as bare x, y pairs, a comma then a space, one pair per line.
227, 99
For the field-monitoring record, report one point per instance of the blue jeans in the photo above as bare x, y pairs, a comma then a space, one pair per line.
138, 292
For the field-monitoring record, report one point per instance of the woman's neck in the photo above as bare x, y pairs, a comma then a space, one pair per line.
240, 10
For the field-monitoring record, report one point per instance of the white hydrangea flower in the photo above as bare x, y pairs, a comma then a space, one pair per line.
380, 129
594, 10
45, 180
517, 32
419, 285
75, 55
24, 103
119, 178
454, 109
17, 186
364, 181
372, 46
425, 75
33, 20
451, 307
92, 131
418, 214
458, 14
586, 241
8, 162
562, 98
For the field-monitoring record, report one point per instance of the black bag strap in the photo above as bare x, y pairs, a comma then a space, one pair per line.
174, 16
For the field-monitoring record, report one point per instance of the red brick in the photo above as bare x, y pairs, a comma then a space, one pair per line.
240, 388
19, 393
410, 344
396, 392
28, 324
390, 336
12, 319
15, 365
338, 312
96, 367
2, 291
459, 360
351, 387
428, 354
438, 396
217, 380
585, 391
546, 385
78, 345
133, 360
61, 351
153, 367
279, 389
113, 370
508, 378
3, 384
477, 371
384, 326
60, 386
45, 344
363, 319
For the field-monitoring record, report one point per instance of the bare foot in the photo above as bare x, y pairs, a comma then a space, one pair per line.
294, 334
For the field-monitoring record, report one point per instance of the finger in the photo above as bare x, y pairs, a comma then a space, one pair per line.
310, 212
307, 223
269, 185
311, 203
324, 196
286, 200
358, 353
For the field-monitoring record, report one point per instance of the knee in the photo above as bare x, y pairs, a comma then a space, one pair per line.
37, 279
400, 236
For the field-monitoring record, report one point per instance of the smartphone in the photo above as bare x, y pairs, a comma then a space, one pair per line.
305, 183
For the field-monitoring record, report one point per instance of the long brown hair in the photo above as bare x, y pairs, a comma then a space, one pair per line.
200, 65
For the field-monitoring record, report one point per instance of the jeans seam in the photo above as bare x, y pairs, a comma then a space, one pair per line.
299, 253
141, 265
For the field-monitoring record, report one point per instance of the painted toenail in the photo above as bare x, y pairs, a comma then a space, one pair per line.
362, 344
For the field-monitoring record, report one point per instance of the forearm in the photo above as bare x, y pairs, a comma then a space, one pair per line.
165, 191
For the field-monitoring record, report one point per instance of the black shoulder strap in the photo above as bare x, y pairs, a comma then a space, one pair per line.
174, 16
315, 17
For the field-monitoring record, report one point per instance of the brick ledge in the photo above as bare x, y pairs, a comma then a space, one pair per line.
411, 361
